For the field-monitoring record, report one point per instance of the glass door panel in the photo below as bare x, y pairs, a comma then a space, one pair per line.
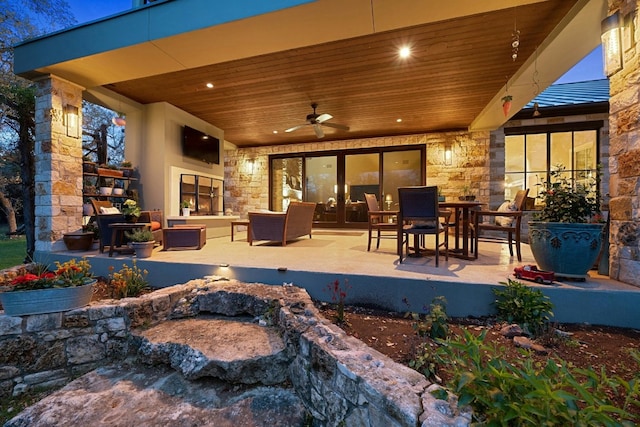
321, 187
399, 169
286, 182
362, 175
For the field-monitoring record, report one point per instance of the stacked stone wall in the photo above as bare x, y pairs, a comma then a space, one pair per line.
624, 249
247, 169
340, 379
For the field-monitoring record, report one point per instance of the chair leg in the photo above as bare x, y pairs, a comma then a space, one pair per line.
369, 244
510, 237
437, 246
378, 241
518, 245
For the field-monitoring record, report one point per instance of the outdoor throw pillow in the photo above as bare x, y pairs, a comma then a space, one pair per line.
112, 210
505, 221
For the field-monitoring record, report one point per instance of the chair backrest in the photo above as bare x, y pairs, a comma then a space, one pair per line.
372, 202
97, 204
418, 203
521, 197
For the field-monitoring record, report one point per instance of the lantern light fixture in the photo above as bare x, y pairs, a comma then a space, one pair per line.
611, 44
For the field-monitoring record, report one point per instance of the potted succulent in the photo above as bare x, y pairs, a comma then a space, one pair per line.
126, 168
186, 210
566, 235
131, 210
36, 289
141, 240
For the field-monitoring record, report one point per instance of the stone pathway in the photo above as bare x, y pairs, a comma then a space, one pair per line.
229, 373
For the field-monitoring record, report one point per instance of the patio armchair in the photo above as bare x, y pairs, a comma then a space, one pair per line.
384, 223
282, 226
156, 220
101, 210
506, 219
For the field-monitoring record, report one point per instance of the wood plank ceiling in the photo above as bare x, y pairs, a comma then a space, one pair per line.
456, 67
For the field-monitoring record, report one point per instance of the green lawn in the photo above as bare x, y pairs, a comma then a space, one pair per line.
12, 251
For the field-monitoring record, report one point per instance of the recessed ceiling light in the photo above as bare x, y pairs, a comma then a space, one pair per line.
404, 52
275, 131
398, 120
209, 85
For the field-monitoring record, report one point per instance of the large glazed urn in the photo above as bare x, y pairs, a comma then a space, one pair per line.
568, 249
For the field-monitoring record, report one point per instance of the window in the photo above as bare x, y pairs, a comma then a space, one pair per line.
530, 156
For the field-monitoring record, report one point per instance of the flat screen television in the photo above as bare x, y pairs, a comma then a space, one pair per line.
200, 146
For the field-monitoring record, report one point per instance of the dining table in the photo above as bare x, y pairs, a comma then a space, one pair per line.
462, 219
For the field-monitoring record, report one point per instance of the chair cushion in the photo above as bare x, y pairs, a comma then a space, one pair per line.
112, 210
423, 224
155, 225
505, 221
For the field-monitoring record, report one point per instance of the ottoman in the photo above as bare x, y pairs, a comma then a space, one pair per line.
192, 236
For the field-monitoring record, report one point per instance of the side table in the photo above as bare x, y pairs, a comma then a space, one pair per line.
117, 234
240, 222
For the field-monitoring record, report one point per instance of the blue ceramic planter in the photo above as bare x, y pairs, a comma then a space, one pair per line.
40, 301
569, 250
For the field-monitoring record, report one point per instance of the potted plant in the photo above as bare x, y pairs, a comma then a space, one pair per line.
131, 210
186, 211
566, 235
141, 240
506, 104
466, 194
36, 289
126, 168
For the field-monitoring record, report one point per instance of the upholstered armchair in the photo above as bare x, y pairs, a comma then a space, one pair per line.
282, 226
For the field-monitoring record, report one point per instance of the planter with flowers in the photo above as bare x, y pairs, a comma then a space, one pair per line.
36, 290
131, 210
566, 235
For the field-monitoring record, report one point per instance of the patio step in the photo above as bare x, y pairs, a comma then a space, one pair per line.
230, 349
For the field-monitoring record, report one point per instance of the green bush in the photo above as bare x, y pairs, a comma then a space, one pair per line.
527, 393
434, 323
523, 305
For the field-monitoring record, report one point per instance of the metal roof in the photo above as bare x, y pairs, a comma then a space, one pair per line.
572, 94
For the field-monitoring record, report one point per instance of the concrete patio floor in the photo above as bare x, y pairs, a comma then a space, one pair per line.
376, 278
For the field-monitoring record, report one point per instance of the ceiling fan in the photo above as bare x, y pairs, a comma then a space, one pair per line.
317, 121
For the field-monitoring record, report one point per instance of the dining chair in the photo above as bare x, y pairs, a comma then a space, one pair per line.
506, 219
419, 216
384, 223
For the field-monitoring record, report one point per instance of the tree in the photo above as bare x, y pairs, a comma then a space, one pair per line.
19, 20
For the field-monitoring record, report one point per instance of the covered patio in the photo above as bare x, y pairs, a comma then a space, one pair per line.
375, 278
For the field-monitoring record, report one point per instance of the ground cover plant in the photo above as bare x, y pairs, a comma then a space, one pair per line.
590, 376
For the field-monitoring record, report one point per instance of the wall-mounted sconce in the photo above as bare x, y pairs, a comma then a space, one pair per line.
448, 155
72, 121
611, 44
251, 164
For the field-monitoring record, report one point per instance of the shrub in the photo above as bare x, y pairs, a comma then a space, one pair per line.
434, 323
129, 281
527, 393
528, 307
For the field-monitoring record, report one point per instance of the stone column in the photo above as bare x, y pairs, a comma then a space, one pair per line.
624, 139
58, 161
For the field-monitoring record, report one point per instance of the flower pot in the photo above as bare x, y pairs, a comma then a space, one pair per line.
186, 211
118, 191
40, 301
106, 191
143, 249
568, 249
78, 241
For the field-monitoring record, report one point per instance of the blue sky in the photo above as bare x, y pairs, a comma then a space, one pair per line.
590, 68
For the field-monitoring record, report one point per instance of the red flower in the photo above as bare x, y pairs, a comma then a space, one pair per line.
24, 279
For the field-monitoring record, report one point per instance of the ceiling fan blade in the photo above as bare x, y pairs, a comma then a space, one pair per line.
336, 126
323, 118
318, 130
295, 128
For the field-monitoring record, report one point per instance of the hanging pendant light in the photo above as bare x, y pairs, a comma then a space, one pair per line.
536, 113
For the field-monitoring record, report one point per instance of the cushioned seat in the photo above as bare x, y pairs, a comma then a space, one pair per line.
156, 220
281, 226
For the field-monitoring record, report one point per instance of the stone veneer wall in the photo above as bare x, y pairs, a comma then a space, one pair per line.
247, 169
58, 163
340, 379
624, 258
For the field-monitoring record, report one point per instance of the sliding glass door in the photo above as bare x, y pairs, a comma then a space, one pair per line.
338, 181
